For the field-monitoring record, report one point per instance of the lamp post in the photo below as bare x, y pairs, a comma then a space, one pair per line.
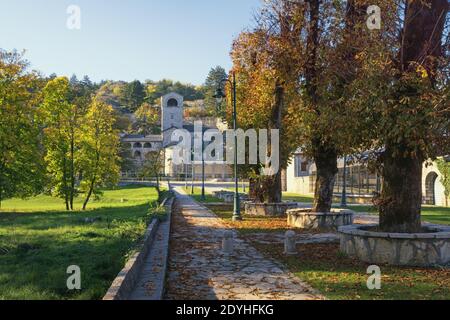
193, 171
203, 197
220, 95
168, 175
344, 185
185, 176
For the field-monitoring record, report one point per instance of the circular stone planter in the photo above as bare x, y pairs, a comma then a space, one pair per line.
305, 219
268, 209
401, 249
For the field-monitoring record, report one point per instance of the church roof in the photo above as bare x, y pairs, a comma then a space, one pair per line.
142, 138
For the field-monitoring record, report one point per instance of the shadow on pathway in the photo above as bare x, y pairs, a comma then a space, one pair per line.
199, 270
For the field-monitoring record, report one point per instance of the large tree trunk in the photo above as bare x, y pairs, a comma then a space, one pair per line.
325, 155
401, 195
272, 188
66, 191
256, 190
325, 158
272, 184
88, 197
72, 172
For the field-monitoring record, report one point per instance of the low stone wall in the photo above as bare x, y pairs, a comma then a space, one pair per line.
400, 249
268, 209
305, 219
127, 278
228, 196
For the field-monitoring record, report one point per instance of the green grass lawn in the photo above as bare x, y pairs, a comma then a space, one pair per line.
209, 198
297, 197
39, 241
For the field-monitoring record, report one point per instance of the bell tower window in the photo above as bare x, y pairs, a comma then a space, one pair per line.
172, 103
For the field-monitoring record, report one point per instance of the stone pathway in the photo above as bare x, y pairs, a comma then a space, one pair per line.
151, 278
199, 270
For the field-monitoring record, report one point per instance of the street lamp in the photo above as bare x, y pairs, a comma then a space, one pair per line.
193, 171
220, 95
203, 197
344, 186
185, 175
168, 175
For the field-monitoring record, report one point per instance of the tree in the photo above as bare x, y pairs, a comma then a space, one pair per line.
444, 168
126, 158
155, 90
134, 95
152, 166
62, 127
266, 62
414, 122
99, 152
21, 164
214, 78
147, 120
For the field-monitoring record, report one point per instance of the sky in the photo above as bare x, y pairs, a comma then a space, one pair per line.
126, 39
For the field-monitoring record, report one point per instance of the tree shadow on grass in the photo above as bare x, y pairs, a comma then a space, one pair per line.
46, 220
39, 247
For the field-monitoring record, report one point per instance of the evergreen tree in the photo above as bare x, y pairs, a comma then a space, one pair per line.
215, 76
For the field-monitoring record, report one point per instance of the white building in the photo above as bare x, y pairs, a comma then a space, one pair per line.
172, 118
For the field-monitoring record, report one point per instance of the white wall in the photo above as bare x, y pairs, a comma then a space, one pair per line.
295, 184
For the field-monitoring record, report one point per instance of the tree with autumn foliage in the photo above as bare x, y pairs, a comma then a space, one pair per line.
99, 151
264, 61
401, 95
147, 120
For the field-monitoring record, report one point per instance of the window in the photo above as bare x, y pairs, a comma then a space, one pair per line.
137, 145
304, 166
172, 103
300, 166
148, 145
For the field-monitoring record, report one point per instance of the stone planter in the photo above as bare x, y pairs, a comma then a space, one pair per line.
228, 197
305, 219
221, 194
401, 249
268, 209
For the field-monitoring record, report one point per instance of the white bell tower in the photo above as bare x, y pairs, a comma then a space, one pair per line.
171, 115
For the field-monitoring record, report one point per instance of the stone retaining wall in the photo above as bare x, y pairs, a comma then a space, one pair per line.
127, 278
401, 249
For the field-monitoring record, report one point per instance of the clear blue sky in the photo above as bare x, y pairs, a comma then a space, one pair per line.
126, 39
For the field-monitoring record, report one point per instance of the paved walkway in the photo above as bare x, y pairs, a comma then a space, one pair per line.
199, 270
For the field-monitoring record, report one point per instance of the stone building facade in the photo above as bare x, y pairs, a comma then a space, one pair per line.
360, 182
172, 118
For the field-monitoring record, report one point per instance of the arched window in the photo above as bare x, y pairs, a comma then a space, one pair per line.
430, 190
148, 145
137, 145
172, 103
